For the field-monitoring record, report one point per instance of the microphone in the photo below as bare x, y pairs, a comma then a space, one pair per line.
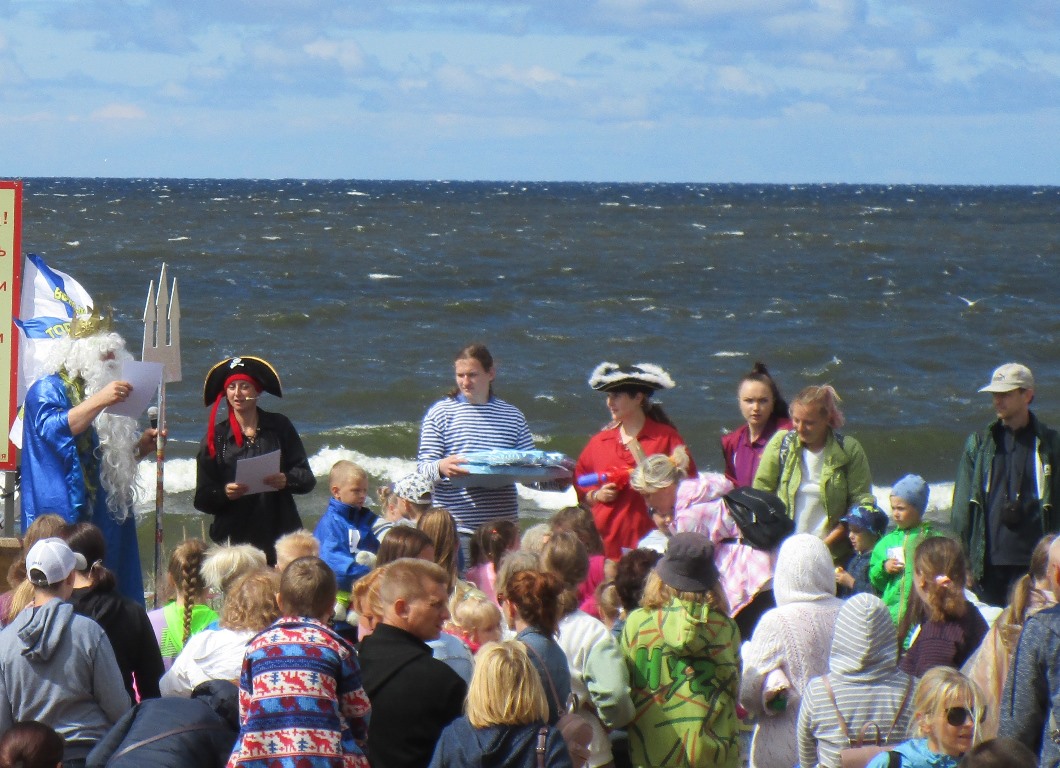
152, 416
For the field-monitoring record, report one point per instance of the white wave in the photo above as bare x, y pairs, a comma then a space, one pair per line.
731, 233
270, 237
178, 239
723, 353
382, 276
355, 193
180, 476
74, 243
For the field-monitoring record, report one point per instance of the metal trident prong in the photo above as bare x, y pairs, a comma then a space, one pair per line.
162, 328
161, 345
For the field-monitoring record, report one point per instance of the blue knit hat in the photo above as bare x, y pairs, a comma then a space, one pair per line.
912, 489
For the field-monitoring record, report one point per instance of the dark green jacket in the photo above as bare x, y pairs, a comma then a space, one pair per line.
968, 513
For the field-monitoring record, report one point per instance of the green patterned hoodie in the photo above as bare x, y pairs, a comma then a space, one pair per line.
684, 668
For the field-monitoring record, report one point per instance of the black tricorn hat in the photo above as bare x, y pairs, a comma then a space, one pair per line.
258, 369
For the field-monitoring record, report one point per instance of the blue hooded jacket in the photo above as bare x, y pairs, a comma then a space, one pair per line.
343, 532
497, 746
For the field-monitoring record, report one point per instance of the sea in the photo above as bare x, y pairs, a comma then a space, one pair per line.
904, 298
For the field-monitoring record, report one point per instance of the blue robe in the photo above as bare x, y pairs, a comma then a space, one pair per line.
52, 481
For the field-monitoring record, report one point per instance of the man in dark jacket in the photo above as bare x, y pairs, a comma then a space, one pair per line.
1006, 486
413, 695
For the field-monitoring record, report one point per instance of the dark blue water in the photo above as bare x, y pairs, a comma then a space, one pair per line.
360, 293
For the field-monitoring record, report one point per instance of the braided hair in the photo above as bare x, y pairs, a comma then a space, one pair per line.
185, 570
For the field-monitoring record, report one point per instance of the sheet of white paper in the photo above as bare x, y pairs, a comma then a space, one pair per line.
252, 472
145, 378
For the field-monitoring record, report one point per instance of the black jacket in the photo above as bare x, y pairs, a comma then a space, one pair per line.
414, 696
199, 731
259, 518
129, 631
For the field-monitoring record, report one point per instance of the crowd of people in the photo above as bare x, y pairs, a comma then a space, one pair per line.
647, 626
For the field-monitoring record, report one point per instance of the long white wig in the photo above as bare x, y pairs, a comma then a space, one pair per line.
98, 361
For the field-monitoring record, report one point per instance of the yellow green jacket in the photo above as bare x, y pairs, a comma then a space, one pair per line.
684, 670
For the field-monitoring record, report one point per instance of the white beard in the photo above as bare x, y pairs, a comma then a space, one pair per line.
118, 435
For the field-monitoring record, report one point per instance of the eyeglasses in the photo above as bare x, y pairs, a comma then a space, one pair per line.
958, 716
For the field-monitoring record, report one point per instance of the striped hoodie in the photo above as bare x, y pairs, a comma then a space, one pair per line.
868, 687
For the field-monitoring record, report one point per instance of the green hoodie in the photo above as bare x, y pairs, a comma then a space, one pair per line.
684, 669
894, 588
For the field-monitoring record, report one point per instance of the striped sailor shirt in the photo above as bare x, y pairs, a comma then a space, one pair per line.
455, 426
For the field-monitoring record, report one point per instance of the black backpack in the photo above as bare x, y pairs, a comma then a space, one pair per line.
761, 516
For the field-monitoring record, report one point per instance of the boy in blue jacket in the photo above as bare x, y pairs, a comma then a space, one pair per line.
347, 541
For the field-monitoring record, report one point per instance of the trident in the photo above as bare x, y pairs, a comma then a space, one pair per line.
161, 345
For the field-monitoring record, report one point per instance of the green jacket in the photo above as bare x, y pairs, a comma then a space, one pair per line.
684, 671
845, 477
894, 588
968, 513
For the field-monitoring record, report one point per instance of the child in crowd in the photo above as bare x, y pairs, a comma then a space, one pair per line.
867, 523
887, 567
21, 593
631, 574
188, 612
951, 628
440, 526
404, 541
683, 655
579, 521
217, 654
225, 564
30, 744
347, 542
124, 620
598, 675
301, 696
407, 499
610, 607
659, 537
535, 538
293, 545
947, 708
490, 542
476, 619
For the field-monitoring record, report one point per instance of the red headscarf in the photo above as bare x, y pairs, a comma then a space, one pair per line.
237, 432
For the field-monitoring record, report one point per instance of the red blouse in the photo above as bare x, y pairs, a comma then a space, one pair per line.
625, 521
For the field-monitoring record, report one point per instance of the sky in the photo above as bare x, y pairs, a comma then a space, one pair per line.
762, 91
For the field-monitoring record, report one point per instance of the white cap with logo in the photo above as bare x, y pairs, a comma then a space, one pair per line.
1008, 377
51, 560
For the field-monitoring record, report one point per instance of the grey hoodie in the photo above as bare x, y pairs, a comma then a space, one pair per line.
869, 688
58, 668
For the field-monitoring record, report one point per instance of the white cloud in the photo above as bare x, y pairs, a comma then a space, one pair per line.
741, 81
117, 111
346, 53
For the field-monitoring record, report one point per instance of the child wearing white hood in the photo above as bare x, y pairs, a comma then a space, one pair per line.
789, 646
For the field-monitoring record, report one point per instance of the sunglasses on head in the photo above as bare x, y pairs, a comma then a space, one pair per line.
958, 716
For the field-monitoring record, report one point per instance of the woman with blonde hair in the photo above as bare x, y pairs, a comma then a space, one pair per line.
948, 711
505, 720
217, 654
989, 665
817, 472
698, 505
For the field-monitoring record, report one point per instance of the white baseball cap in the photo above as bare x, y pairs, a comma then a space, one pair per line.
53, 560
1008, 377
